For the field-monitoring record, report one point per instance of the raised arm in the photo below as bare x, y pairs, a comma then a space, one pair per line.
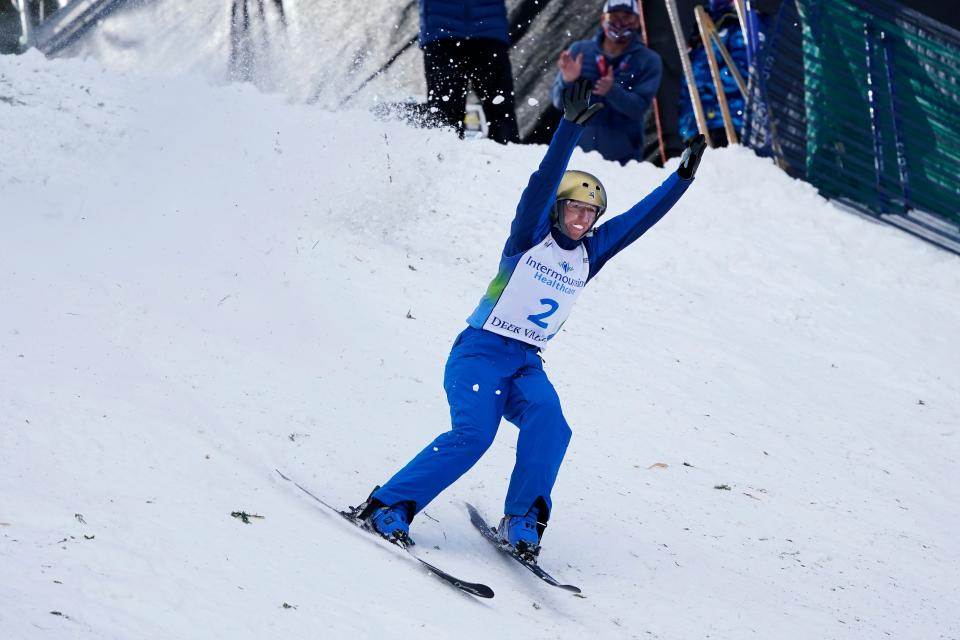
532, 221
617, 234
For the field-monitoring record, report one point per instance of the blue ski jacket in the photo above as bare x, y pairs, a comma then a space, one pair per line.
532, 222
444, 19
617, 131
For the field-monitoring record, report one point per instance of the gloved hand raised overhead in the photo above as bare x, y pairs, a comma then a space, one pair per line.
576, 102
690, 159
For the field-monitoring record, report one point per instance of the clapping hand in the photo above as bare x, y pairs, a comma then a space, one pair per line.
604, 83
570, 67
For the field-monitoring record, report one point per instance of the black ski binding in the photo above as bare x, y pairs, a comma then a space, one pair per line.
352, 515
526, 557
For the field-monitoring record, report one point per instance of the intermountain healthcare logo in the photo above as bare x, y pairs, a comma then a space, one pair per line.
553, 278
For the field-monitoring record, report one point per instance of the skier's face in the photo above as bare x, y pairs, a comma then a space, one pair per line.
578, 217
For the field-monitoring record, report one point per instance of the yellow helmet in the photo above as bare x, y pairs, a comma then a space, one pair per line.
582, 187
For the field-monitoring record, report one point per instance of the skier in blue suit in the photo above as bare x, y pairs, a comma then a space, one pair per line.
494, 369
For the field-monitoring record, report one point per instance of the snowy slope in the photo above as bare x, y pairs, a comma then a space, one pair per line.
318, 51
200, 284
323, 52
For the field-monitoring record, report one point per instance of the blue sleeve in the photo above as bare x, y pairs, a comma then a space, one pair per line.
615, 235
532, 222
635, 101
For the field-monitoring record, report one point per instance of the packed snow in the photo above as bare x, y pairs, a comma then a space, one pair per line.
201, 284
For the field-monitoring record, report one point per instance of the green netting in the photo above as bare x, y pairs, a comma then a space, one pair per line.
882, 100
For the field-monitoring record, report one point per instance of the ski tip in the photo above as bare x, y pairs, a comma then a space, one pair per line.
473, 511
282, 474
482, 591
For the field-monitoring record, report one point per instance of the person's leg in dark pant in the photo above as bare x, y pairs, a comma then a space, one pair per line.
445, 68
492, 78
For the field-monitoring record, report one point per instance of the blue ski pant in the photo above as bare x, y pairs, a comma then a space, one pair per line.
489, 377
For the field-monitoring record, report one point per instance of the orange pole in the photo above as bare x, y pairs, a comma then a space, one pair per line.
707, 29
656, 104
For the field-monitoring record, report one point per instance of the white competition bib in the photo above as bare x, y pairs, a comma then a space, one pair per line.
540, 294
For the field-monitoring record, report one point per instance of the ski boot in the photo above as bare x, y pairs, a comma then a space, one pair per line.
521, 533
389, 521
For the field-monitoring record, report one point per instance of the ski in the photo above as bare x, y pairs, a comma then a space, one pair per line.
490, 534
473, 588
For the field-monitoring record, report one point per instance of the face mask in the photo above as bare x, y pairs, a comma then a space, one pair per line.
618, 31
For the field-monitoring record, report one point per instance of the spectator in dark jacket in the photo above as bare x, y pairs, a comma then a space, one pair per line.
465, 42
625, 76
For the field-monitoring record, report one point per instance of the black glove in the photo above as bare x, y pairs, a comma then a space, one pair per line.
690, 159
576, 102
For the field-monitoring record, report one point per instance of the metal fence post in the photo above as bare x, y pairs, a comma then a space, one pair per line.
897, 125
874, 114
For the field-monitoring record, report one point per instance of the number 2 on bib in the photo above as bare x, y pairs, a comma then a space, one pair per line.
538, 318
